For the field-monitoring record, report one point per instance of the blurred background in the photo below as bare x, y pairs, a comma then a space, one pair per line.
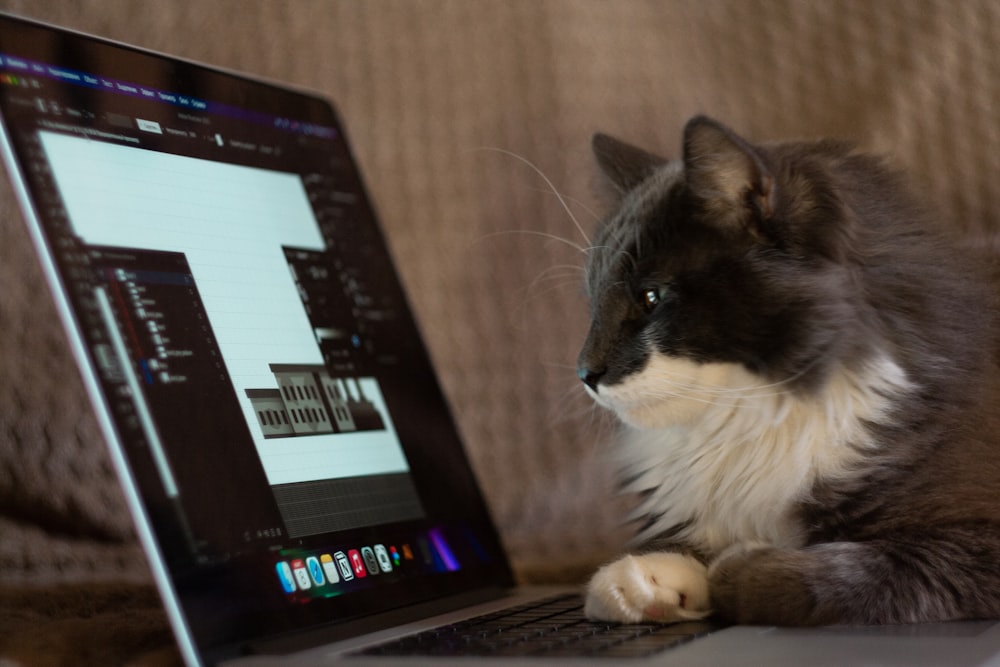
467, 119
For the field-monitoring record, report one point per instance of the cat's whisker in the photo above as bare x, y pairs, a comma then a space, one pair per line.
573, 407
556, 282
664, 388
751, 391
535, 293
739, 394
563, 200
534, 232
692, 384
577, 202
600, 427
532, 293
564, 277
564, 367
565, 269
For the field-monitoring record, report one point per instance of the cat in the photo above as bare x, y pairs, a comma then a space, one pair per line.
806, 372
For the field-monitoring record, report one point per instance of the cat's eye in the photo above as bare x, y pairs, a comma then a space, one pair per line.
651, 298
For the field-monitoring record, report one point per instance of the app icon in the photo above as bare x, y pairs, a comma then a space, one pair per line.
425, 551
395, 556
407, 552
444, 556
344, 565
357, 564
301, 575
315, 571
329, 568
285, 577
382, 555
370, 561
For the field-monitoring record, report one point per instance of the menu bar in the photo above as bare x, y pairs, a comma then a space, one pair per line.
12, 67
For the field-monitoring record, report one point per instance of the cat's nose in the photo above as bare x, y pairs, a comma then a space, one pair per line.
590, 377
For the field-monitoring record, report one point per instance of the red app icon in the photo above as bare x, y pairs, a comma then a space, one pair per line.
301, 574
357, 563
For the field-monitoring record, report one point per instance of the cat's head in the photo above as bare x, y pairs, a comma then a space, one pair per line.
725, 271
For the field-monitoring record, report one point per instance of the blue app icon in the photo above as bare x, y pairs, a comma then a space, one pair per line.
285, 577
315, 570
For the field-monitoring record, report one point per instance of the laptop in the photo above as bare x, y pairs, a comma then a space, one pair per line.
295, 476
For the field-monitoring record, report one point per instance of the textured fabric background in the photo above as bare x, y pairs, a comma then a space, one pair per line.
446, 101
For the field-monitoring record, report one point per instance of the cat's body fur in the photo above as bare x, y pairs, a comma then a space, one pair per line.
808, 376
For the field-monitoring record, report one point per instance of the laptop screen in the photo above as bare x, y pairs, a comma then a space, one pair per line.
244, 337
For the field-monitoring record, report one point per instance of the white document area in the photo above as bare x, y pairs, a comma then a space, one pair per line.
230, 222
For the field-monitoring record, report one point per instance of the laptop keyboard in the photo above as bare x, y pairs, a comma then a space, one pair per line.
555, 627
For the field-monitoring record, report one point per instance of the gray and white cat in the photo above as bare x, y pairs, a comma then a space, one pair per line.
807, 375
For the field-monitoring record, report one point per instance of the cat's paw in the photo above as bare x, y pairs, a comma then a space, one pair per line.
662, 587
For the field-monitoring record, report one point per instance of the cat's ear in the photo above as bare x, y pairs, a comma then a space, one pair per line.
727, 174
624, 165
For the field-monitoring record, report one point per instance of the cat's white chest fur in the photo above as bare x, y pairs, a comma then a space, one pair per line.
725, 457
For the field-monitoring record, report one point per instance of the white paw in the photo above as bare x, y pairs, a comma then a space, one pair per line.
662, 587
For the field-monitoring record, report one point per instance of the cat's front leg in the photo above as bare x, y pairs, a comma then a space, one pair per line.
757, 584
662, 587
902, 580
